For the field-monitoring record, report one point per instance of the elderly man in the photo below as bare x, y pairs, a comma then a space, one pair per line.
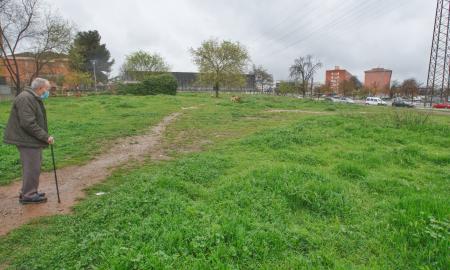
27, 129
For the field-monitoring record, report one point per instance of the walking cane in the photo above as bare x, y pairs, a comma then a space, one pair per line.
54, 169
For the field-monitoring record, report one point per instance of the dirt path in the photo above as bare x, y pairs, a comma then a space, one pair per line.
74, 180
299, 111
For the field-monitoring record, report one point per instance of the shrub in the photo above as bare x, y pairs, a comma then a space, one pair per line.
129, 89
164, 84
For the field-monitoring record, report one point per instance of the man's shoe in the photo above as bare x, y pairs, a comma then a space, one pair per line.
41, 194
36, 199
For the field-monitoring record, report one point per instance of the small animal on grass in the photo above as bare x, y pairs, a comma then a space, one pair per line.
236, 99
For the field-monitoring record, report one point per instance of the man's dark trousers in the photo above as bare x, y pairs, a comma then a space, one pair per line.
31, 168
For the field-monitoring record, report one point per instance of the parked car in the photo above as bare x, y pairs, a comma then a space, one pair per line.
347, 100
330, 99
375, 101
441, 106
399, 102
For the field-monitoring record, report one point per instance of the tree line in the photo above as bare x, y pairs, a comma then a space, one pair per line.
32, 26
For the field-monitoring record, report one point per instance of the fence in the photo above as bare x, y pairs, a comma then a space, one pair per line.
184, 88
5, 93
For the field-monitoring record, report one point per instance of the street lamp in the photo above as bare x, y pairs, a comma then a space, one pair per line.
94, 62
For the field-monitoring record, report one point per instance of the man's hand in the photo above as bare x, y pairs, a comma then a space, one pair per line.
51, 140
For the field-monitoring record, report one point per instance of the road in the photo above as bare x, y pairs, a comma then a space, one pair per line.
418, 107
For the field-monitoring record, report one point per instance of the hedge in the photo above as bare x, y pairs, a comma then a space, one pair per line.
164, 84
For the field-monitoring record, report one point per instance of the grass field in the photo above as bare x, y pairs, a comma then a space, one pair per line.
84, 127
345, 187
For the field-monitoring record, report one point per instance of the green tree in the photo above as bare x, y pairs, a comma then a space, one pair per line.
87, 54
321, 90
221, 63
262, 77
139, 64
286, 88
78, 80
365, 92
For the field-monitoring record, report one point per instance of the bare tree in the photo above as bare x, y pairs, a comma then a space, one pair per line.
302, 72
3, 3
351, 86
16, 25
26, 26
410, 88
53, 40
394, 90
262, 77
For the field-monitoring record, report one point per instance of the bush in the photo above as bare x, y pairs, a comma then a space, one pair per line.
164, 84
129, 89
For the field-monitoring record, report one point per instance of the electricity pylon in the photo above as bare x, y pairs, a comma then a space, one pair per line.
439, 70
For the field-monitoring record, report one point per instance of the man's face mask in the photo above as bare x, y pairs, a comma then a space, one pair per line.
45, 95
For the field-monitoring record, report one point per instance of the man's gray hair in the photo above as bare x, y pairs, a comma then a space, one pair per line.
38, 83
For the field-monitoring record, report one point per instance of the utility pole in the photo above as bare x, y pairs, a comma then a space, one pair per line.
438, 70
94, 62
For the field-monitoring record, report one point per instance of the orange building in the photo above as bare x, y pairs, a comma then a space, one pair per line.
378, 80
53, 70
334, 78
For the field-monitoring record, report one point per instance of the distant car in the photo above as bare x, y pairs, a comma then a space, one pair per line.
441, 106
399, 102
375, 101
347, 100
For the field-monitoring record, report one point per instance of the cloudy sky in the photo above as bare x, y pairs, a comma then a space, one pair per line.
354, 34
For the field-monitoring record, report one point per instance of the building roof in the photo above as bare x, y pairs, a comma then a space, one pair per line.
48, 55
337, 68
378, 70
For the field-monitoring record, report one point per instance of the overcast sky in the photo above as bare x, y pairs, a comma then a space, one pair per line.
354, 34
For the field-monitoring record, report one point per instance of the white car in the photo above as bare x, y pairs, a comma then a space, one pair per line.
375, 101
347, 100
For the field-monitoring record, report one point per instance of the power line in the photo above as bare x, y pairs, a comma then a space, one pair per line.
333, 23
356, 13
377, 12
286, 19
327, 24
297, 28
350, 19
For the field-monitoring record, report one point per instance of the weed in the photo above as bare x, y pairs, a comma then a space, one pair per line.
409, 119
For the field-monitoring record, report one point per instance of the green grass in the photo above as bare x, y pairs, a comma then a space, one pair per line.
269, 191
83, 127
